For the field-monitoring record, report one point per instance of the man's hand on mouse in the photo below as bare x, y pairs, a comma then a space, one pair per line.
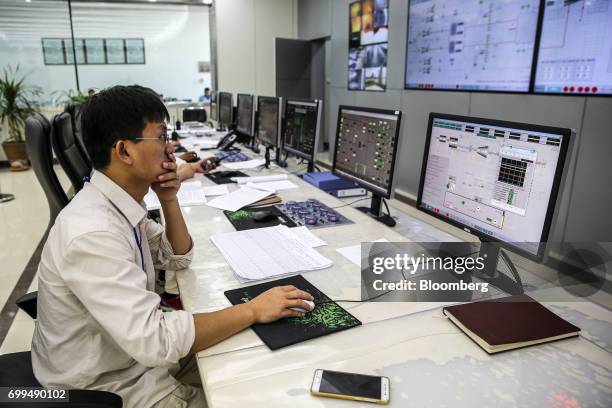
274, 303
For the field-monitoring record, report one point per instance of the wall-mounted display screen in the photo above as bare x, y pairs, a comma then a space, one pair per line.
368, 37
575, 53
478, 45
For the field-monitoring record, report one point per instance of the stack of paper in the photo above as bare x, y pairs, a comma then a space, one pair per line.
238, 199
216, 190
265, 253
189, 194
248, 164
271, 183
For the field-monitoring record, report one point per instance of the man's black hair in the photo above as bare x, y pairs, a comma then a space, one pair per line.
118, 113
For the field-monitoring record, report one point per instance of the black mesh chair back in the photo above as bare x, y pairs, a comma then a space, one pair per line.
68, 151
38, 144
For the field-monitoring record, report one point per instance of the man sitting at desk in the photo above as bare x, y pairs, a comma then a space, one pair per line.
206, 96
99, 323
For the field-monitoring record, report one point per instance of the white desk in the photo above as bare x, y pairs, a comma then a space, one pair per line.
429, 361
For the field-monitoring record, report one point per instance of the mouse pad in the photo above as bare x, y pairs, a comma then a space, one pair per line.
326, 318
243, 218
218, 178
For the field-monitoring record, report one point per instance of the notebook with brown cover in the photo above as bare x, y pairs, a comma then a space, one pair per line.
509, 323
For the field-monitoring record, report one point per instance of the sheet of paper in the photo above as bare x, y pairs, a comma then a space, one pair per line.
202, 144
189, 194
260, 186
353, 253
307, 237
259, 179
275, 185
238, 199
216, 190
249, 164
264, 253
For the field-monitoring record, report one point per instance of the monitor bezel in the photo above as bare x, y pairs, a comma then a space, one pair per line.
252, 130
566, 134
279, 102
385, 193
213, 102
296, 152
219, 98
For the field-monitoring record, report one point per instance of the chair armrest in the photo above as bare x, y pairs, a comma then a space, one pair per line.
27, 303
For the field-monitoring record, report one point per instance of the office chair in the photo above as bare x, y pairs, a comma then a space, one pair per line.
38, 144
74, 109
67, 150
16, 372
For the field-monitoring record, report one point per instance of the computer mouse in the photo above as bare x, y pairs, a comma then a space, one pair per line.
299, 309
263, 216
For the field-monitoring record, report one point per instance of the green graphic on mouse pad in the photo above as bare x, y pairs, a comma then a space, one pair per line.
326, 318
243, 219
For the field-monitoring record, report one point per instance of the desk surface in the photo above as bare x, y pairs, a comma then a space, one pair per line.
428, 360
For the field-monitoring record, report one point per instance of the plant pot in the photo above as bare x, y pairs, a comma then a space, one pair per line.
17, 155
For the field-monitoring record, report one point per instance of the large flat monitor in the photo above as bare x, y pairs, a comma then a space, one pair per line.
245, 121
225, 106
365, 152
575, 55
498, 180
214, 112
302, 123
269, 120
471, 44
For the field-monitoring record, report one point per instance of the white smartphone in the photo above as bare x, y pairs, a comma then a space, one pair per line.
358, 387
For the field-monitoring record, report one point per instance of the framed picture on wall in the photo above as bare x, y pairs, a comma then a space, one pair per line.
53, 51
135, 51
368, 39
94, 51
115, 51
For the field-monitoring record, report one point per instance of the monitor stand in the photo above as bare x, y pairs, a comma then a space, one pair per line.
375, 211
491, 274
279, 161
252, 145
311, 167
267, 157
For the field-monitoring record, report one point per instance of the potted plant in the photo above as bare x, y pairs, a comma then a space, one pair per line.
16, 106
64, 98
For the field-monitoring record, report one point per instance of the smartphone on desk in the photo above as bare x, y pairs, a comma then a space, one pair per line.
357, 387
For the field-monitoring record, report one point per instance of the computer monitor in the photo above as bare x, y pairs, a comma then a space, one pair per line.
194, 114
225, 106
366, 150
301, 133
269, 119
245, 121
269, 124
214, 111
498, 180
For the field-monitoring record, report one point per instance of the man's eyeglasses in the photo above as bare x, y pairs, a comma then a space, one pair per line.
164, 138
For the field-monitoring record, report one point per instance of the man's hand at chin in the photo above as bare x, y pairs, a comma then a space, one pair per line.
168, 183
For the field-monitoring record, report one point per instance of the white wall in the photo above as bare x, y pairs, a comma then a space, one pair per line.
245, 42
176, 38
